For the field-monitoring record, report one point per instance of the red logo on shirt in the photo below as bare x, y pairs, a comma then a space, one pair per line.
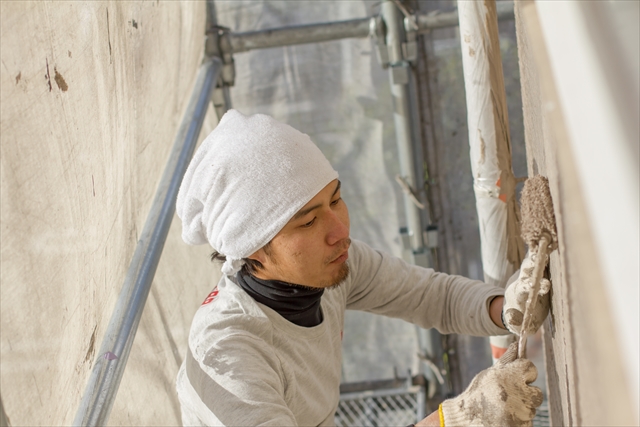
212, 296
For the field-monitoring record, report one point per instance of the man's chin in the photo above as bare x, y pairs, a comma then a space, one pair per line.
343, 273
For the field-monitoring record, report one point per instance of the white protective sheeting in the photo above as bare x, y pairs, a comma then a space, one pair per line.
92, 94
339, 95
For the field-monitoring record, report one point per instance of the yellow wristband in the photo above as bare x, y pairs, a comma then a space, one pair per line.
441, 415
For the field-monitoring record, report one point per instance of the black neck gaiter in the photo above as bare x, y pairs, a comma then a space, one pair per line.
297, 304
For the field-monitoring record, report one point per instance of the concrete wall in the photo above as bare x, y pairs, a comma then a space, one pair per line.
92, 93
577, 134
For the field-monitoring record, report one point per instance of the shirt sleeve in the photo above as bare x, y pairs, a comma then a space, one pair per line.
238, 382
386, 285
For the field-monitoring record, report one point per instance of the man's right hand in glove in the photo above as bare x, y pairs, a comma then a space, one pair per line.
498, 396
516, 295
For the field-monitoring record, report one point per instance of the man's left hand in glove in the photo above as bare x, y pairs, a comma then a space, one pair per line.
498, 396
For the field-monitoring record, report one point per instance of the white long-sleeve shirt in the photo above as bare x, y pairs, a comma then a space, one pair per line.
248, 366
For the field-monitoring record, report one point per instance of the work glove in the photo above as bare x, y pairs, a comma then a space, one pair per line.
515, 299
498, 396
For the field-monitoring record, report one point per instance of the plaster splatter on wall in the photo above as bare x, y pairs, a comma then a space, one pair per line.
60, 80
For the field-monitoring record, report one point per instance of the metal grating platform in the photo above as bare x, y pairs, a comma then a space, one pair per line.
381, 408
397, 408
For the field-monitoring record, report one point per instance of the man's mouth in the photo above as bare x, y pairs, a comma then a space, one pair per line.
342, 256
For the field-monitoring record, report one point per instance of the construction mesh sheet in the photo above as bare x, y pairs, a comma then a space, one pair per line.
381, 408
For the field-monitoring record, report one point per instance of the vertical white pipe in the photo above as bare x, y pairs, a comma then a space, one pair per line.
489, 141
490, 149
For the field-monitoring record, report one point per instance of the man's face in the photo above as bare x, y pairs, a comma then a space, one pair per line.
311, 250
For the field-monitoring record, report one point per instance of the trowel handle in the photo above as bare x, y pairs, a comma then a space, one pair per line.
538, 269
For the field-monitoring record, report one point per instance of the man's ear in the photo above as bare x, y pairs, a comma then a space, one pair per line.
259, 256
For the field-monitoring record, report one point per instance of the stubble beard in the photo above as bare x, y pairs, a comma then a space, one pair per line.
332, 283
342, 275
343, 272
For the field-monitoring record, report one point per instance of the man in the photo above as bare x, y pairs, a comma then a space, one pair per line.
265, 346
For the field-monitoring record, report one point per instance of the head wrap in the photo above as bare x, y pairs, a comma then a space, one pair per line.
246, 181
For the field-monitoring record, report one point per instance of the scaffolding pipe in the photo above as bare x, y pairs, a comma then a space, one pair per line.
400, 77
399, 74
490, 147
426, 22
109, 366
299, 34
326, 31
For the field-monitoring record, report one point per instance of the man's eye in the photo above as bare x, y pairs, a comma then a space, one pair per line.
335, 202
310, 223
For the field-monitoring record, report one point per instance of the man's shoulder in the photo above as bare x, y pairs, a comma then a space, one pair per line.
228, 312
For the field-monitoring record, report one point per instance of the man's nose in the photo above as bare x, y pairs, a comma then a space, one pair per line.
338, 228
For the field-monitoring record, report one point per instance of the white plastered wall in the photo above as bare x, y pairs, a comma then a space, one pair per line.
92, 93
579, 134
606, 161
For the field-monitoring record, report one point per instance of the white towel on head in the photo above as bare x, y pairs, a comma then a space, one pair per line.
245, 182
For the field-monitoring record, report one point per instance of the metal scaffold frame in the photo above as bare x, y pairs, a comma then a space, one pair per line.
108, 369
